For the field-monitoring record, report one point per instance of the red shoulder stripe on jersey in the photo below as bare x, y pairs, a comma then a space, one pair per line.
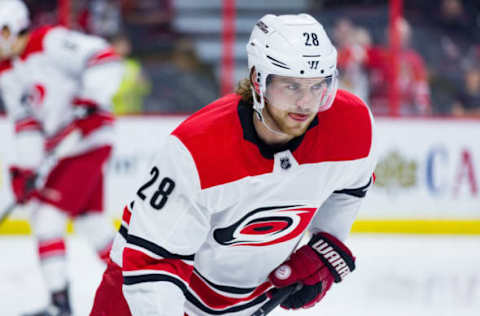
215, 300
27, 124
343, 133
103, 56
214, 137
35, 41
5, 65
135, 260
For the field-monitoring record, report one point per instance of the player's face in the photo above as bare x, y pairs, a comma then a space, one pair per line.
9, 46
292, 103
4, 43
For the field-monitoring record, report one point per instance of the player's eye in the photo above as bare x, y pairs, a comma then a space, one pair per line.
292, 86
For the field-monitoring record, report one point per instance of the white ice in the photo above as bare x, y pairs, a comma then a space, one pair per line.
395, 276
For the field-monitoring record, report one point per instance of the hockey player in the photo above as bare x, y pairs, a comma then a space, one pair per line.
57, 85
216, 226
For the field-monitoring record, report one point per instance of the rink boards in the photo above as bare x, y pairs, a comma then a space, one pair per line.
427, 176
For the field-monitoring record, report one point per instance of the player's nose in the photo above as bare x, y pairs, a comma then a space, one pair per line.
305, 101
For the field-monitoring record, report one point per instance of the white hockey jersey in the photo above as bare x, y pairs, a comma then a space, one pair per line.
62, 79
221, 209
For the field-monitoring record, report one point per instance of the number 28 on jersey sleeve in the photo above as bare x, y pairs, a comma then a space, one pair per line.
163, 188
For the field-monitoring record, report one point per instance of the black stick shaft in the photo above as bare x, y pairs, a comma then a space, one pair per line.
276, 300
6, 212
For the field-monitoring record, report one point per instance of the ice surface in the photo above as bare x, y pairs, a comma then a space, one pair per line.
395, 276
21, 284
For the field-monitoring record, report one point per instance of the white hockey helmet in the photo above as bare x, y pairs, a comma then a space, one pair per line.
291, 46
13, 15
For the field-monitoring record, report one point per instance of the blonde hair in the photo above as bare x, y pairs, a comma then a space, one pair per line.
243, 89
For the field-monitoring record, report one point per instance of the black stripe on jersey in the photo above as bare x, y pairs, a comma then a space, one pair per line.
192, 299
123, 232
225, 288
357, 192
162, 252
130, 280
135, 279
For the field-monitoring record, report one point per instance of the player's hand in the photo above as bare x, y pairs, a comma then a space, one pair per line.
23, 183
317, 265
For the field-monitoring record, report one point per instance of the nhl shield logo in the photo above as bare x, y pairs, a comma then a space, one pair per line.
285, 163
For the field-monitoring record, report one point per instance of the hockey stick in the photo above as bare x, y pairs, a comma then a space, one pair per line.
276, 299
6, 212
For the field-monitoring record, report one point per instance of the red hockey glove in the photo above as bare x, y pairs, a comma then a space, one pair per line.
317, 265
23, 182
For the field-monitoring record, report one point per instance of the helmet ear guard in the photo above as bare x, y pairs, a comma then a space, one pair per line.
256, 84
292, 46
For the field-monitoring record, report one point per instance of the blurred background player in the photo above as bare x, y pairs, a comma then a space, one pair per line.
414, 92
215, 228
367, 71
57, 86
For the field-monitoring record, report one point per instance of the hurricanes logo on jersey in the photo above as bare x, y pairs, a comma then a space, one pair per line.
266, 226
34, 96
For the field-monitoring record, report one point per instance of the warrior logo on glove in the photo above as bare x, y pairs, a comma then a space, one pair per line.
333, 257
316, 266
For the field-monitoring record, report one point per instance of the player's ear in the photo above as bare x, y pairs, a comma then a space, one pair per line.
253, 75
253, 81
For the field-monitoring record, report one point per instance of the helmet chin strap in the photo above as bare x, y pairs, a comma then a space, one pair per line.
259, 113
